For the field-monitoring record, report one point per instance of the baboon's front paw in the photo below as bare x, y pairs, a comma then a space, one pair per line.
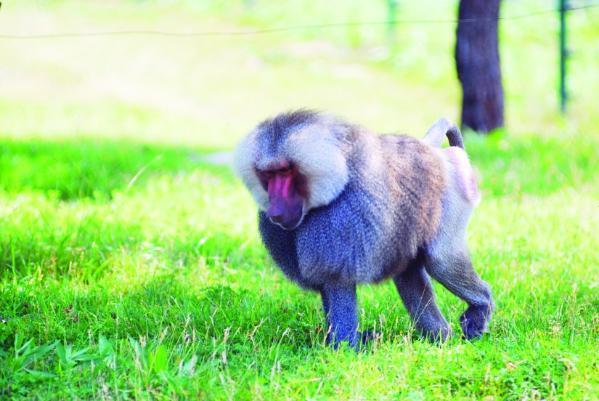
474, 321
357, 341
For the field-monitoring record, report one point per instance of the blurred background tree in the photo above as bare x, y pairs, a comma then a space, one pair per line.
477, 62
139, 68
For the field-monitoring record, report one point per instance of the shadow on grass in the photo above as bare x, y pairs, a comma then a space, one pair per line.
90, 168
209, 330
197, 317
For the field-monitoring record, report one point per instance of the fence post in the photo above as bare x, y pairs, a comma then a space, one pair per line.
391, 23
563, 55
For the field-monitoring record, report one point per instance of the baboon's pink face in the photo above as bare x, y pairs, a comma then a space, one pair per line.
292, 164
287, 193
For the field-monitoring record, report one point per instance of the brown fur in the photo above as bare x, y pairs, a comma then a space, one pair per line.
378, 207
416, 178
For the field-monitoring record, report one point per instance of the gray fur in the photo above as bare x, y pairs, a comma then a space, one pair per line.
417, 295
447, 260
392, 205
378, 207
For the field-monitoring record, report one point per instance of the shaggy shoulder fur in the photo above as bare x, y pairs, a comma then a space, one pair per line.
388, 209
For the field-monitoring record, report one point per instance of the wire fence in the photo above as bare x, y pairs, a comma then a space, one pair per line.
283, 29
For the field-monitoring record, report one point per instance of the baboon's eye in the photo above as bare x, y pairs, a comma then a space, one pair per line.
264, 176
280, 169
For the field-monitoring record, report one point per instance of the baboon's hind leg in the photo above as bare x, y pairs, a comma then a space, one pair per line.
455, 272
417, 295
447, 259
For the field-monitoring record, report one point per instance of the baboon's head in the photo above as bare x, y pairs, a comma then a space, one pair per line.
293, 163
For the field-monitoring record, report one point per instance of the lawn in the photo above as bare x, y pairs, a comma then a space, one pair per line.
132, 269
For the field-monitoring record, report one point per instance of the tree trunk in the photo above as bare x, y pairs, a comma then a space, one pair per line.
477, 61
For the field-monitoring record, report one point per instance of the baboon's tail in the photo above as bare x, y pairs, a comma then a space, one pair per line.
441, 129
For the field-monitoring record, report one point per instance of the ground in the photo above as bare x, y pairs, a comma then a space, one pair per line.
132, 269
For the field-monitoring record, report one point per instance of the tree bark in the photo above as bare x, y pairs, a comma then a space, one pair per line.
477, 62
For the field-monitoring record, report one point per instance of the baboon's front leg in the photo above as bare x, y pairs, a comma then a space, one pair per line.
340, 306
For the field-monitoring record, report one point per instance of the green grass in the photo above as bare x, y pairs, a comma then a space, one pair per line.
131, 269
164, 290
89, 168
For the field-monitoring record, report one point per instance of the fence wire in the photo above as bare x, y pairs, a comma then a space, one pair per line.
274, 30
